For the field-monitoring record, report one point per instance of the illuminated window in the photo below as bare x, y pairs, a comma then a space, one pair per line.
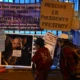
10, 31
5, 0
59, 33
16, 1
76, 5
48, 30
1, 0
32, 32
16, 31
21, 1
71, 1
26, 32
54, 32
37, 1
21, 32
38, 32
66, 0
10, 0
32, 1
43, 32
6, 31
27, 1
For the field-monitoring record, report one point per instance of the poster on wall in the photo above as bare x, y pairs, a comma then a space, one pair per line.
18, 50
19, 16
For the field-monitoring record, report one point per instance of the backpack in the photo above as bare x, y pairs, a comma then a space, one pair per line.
77, 60
77, 54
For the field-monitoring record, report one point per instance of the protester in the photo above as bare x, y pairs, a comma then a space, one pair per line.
42, 59
67, 58
8, 56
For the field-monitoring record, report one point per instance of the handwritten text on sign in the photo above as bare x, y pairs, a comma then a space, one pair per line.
50, 38
56, 15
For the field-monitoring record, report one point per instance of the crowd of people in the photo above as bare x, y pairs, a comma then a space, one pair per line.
42, 61
67, 60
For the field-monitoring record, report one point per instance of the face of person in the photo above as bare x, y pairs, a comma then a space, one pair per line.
16, 44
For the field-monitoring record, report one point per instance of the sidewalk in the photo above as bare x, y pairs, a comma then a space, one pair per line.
27, 75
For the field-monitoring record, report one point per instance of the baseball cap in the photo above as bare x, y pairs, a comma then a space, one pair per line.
64, 36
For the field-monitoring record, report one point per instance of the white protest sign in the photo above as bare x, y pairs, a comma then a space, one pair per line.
16, 53
51, 49
56, 15
50, 42
50, 38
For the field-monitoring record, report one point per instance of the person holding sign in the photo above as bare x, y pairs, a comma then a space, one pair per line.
42, 59
18, 50
12, 56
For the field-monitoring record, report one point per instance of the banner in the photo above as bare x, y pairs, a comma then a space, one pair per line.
19, 16
18, 51
56, 15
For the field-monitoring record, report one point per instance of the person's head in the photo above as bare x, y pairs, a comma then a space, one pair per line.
63, 38
39, 43
16, 43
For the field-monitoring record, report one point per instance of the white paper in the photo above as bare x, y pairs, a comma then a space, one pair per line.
16, 53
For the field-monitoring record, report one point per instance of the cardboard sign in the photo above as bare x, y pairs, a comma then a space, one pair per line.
75, 23
56, 15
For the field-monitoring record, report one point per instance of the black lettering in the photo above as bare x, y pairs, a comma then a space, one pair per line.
55, 25
44, 17
52, 5
54, 18
55, 12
